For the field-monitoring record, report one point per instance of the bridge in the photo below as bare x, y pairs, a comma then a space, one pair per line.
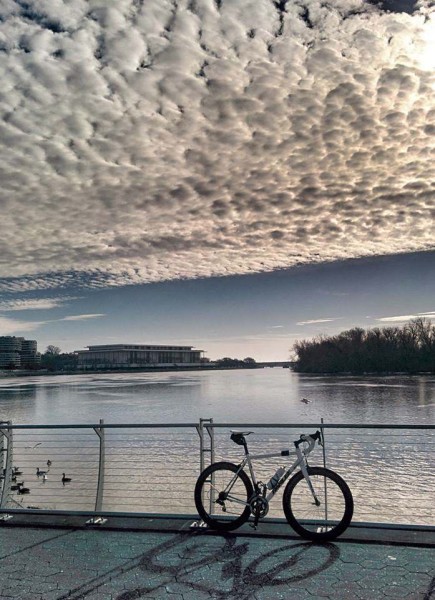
286, 364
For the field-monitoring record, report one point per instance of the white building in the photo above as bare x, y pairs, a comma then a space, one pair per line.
137, 355
16, 352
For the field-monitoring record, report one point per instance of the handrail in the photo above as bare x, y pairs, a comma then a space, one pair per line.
324, 425
151, 468
228, 425
106, 425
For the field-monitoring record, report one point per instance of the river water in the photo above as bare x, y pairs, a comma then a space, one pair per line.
258, 395
391, 472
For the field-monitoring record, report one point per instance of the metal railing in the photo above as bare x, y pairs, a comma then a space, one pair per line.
151, 469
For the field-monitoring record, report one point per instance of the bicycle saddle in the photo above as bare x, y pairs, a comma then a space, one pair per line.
237, 431
238, 437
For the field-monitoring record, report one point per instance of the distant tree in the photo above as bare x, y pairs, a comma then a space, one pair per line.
249, 361
59, 361
227, 362
410, 348
52, 350
236, 362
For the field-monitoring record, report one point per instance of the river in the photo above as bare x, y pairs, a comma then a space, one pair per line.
391, 472
257, 395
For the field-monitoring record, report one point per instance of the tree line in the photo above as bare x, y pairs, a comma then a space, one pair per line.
246, 363
55, 360
410, 349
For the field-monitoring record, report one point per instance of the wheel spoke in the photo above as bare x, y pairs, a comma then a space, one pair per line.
325, 519
221, 496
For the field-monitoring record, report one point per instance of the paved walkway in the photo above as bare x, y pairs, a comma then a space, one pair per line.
56, 564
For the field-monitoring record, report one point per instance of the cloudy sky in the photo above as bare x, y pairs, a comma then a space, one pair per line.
192, 170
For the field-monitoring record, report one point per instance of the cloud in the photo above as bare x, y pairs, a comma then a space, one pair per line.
21, 304
12, 326
151, 141
399, 318
82, 317
404, 318
314, 321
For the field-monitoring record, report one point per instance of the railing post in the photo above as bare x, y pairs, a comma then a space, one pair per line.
322, 430
100, 486
203, 450
6, 434
200, 430
210, 432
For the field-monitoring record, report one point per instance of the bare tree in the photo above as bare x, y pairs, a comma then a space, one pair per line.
53, 350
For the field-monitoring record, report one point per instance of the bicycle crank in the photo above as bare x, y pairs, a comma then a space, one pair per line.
259, 507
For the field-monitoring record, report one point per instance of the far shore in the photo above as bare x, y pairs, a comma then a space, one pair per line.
45, 372
207, 367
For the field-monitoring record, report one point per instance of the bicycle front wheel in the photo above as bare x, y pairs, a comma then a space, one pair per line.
322, 521
222, 495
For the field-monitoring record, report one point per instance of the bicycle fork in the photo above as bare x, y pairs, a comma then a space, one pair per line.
307, 477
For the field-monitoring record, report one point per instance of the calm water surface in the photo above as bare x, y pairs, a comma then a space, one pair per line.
260, 395
391, 473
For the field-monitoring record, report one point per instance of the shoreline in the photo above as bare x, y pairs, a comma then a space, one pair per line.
174, 369
45, 372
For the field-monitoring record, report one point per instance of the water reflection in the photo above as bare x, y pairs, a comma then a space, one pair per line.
18, 403
260, 395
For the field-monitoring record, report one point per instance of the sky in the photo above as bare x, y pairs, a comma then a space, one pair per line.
228, 174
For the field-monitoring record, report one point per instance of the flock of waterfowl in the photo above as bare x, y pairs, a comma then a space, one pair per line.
19, 487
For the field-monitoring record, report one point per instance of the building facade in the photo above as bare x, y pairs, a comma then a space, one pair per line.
17, 352
135, 355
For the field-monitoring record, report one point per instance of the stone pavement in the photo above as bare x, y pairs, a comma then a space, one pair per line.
60, 564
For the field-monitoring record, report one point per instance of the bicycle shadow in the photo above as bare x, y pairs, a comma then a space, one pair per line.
221, 566
227, 570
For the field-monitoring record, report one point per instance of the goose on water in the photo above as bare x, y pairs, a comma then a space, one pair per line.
22, 489
39, 473
65, 479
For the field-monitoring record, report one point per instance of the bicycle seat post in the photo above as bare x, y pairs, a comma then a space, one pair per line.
239, 439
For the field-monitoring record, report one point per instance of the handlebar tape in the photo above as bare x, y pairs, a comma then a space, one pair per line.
315, 436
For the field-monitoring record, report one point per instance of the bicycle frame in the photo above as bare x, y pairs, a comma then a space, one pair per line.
299, 462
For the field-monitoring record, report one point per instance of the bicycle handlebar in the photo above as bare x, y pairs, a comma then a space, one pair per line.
317, 436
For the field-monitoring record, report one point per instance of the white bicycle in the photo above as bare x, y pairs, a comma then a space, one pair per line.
317, 502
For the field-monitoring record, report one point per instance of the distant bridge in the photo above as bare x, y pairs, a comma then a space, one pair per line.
285, 364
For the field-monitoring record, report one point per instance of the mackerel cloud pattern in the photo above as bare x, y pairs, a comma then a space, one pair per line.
144, 141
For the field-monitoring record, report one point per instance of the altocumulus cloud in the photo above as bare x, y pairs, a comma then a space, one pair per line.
143, 141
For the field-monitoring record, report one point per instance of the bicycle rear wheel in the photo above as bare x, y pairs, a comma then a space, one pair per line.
222, 493
331, 517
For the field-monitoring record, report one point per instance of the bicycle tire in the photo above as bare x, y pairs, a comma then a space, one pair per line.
222, 520
327, 521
